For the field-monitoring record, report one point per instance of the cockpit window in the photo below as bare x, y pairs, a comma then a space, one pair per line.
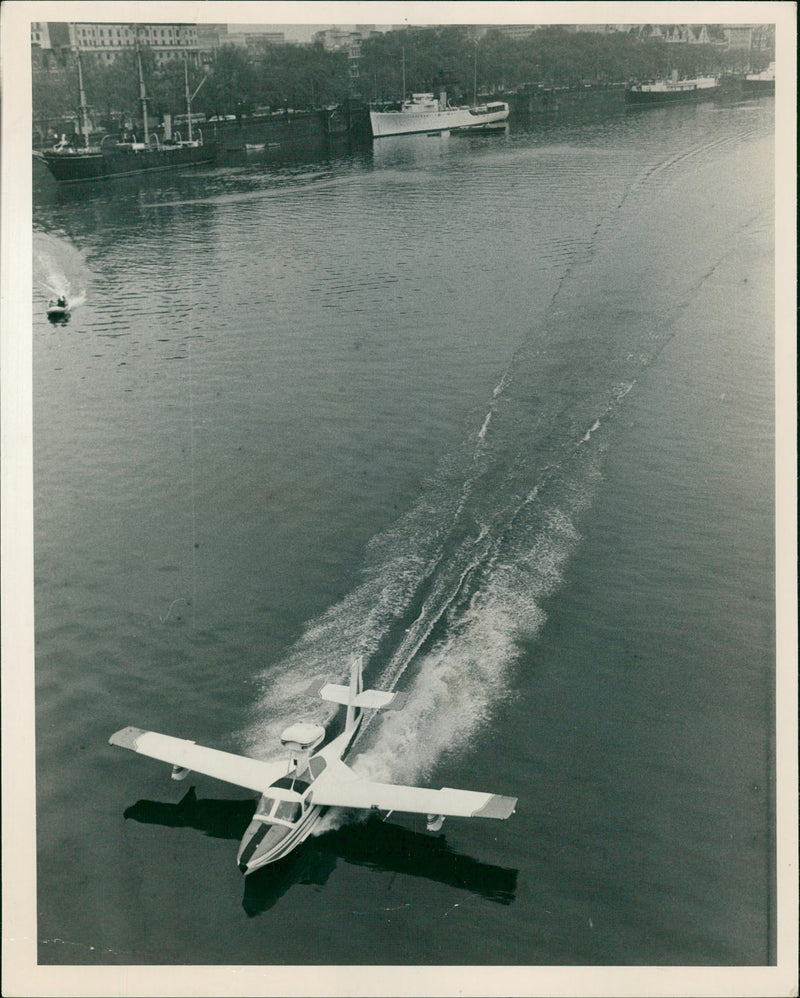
288, 810
265, 806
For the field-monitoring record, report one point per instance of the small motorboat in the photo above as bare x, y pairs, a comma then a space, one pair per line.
58, 309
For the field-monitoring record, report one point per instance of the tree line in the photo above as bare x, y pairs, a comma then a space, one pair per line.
240, 81
450, 57
235, 82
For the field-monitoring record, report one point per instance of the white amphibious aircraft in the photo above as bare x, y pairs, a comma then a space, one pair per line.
298, 791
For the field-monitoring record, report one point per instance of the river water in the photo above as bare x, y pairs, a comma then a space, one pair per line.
495, 413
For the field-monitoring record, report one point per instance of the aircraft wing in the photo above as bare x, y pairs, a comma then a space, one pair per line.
237, 769
339, 786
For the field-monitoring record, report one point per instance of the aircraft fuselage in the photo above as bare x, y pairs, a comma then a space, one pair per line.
286, 815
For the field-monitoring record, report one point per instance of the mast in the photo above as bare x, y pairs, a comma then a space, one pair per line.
142, 95
191, 97
404, 74
188, 98
475, 85
83, 107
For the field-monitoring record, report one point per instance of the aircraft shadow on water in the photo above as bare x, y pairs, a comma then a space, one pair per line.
370, 842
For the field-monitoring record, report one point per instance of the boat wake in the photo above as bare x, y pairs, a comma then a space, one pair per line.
59, 268
455, 591
450, 596
454, 595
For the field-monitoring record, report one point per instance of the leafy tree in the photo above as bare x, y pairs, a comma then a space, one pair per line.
112, 90
232, 82
299, 76
54, 95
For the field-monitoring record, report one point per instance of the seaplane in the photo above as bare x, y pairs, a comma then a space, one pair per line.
295, 792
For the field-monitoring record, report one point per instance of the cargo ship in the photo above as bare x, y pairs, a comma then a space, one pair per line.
671, 91
71, 162
760, 83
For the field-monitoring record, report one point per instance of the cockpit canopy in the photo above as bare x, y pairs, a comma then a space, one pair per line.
288, 810
288, 807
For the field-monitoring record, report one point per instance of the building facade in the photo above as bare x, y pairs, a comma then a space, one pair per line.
335, 39
40, 34
105, 40
252, 40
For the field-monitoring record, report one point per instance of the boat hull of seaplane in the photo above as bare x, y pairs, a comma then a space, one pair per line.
267, 843
286, 815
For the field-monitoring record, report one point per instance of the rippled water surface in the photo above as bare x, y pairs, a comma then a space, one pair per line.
495, 413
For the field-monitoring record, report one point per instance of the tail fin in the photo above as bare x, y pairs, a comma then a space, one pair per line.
356, 689
354, 696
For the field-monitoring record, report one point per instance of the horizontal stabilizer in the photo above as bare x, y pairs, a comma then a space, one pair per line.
241, 770
340, 786
368, 699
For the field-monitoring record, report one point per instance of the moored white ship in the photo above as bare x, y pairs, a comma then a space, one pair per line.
427, 113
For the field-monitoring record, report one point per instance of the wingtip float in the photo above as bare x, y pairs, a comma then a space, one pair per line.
295, 793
